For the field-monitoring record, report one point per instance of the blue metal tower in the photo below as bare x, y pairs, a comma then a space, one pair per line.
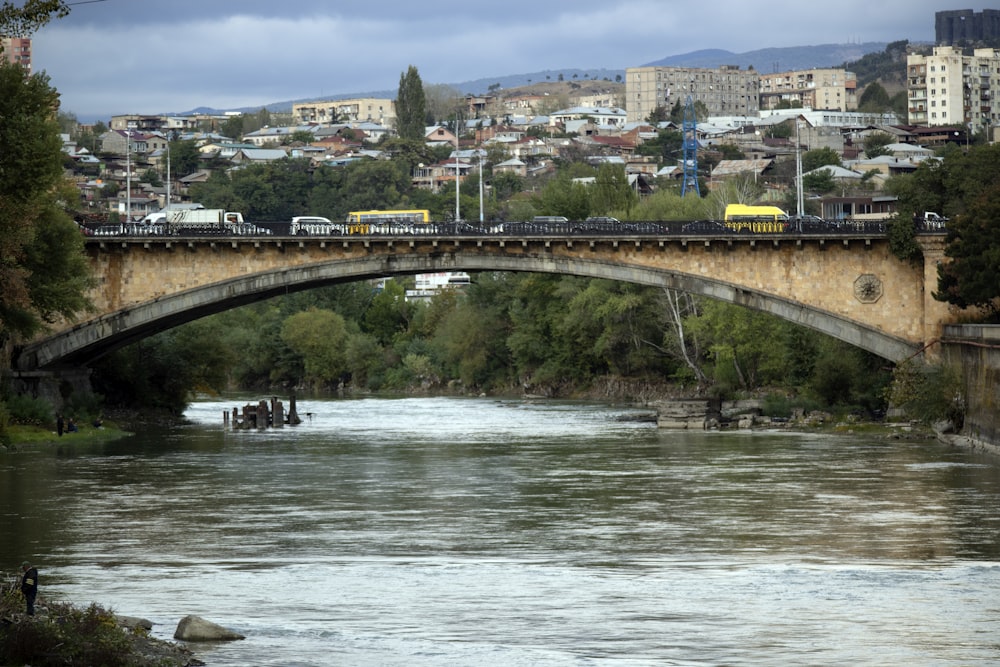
690, 144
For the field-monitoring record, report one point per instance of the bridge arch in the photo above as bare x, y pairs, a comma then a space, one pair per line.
87, 341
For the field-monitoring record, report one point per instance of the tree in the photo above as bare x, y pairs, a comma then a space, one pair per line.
184, 157
30, 173
30, 16
875, 144
611, 191
320, 337
874, 99
410, 106
970, 279
820, 157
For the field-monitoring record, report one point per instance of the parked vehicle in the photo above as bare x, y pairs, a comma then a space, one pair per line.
315, 225
206, 221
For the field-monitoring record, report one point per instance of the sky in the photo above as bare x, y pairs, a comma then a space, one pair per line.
112, 57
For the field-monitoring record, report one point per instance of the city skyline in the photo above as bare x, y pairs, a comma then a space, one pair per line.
121, 56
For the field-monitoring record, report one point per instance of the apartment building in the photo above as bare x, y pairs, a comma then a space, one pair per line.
834, 89
949, 88
17, 50
966, 25
368, 109
725, 90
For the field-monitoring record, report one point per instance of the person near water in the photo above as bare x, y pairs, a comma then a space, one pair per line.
29, 586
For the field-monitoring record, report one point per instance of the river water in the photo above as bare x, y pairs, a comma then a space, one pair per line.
445, 531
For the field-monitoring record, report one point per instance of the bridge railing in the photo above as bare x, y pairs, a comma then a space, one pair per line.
607, 229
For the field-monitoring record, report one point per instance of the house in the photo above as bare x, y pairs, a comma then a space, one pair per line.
602, 117
258, 155
729, 168
439, 134
859, 208
442, 175
511, 166
141, 143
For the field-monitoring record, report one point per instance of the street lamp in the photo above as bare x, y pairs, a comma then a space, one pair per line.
128, 176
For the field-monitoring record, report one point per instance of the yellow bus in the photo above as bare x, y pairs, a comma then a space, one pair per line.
760, 219
386, 222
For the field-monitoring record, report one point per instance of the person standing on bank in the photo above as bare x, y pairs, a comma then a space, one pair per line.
29, 586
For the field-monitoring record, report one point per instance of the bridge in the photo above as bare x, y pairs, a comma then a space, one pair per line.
846, 283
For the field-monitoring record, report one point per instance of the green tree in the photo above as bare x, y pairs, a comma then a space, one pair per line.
611, 191
319, 337
874, 99
820, 157
232, 127
184, 157
31, 15
410, 106
389, 314
875, 144
973, 244
819, 181
30, 173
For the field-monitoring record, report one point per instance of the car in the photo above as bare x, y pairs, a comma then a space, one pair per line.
705, 227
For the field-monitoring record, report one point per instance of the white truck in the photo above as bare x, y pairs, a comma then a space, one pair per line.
304, 225
206, 221
932, 219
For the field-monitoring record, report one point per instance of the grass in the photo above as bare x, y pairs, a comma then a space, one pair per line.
23, 436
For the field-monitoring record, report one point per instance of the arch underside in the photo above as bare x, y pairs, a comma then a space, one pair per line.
90, 340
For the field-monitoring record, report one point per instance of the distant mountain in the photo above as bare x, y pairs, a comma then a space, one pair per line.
767, 61
764, 61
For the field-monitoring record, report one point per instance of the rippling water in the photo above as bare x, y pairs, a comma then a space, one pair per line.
441, 531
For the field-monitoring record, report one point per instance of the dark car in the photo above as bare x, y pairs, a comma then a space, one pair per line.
705, 227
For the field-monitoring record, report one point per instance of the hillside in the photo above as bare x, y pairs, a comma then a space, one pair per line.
763, 60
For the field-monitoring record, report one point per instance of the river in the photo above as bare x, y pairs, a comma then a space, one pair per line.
451, 531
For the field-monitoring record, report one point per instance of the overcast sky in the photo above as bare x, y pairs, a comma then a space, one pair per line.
171, 56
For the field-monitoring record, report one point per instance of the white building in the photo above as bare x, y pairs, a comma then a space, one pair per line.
429, 284
948, 88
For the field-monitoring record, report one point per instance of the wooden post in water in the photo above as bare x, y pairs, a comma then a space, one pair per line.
277, 413
262, 415
293, 415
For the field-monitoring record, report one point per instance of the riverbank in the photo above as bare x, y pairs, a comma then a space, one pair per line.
63, 634
30, 437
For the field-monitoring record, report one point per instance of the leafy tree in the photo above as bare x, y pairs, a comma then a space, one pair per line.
970, 279
152, 177
389, 313
30, 171
410, 106
232, 127
31, 15
184, 157
301, 136
668, 146
874, 99
875, 144
820, 157
819, 181
320, 337
611, 191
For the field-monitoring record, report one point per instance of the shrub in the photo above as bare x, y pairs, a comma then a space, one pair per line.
27, 410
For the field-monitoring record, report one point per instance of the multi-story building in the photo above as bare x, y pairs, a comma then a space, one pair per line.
949, 88
965, 25
812, 88
17, 50
368, 109
725, 90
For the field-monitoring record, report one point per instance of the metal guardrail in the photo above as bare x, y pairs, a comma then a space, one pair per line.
695, 228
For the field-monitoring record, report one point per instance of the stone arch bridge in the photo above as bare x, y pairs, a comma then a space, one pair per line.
849, 286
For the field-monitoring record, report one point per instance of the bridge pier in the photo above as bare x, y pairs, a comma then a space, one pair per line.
56, 386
